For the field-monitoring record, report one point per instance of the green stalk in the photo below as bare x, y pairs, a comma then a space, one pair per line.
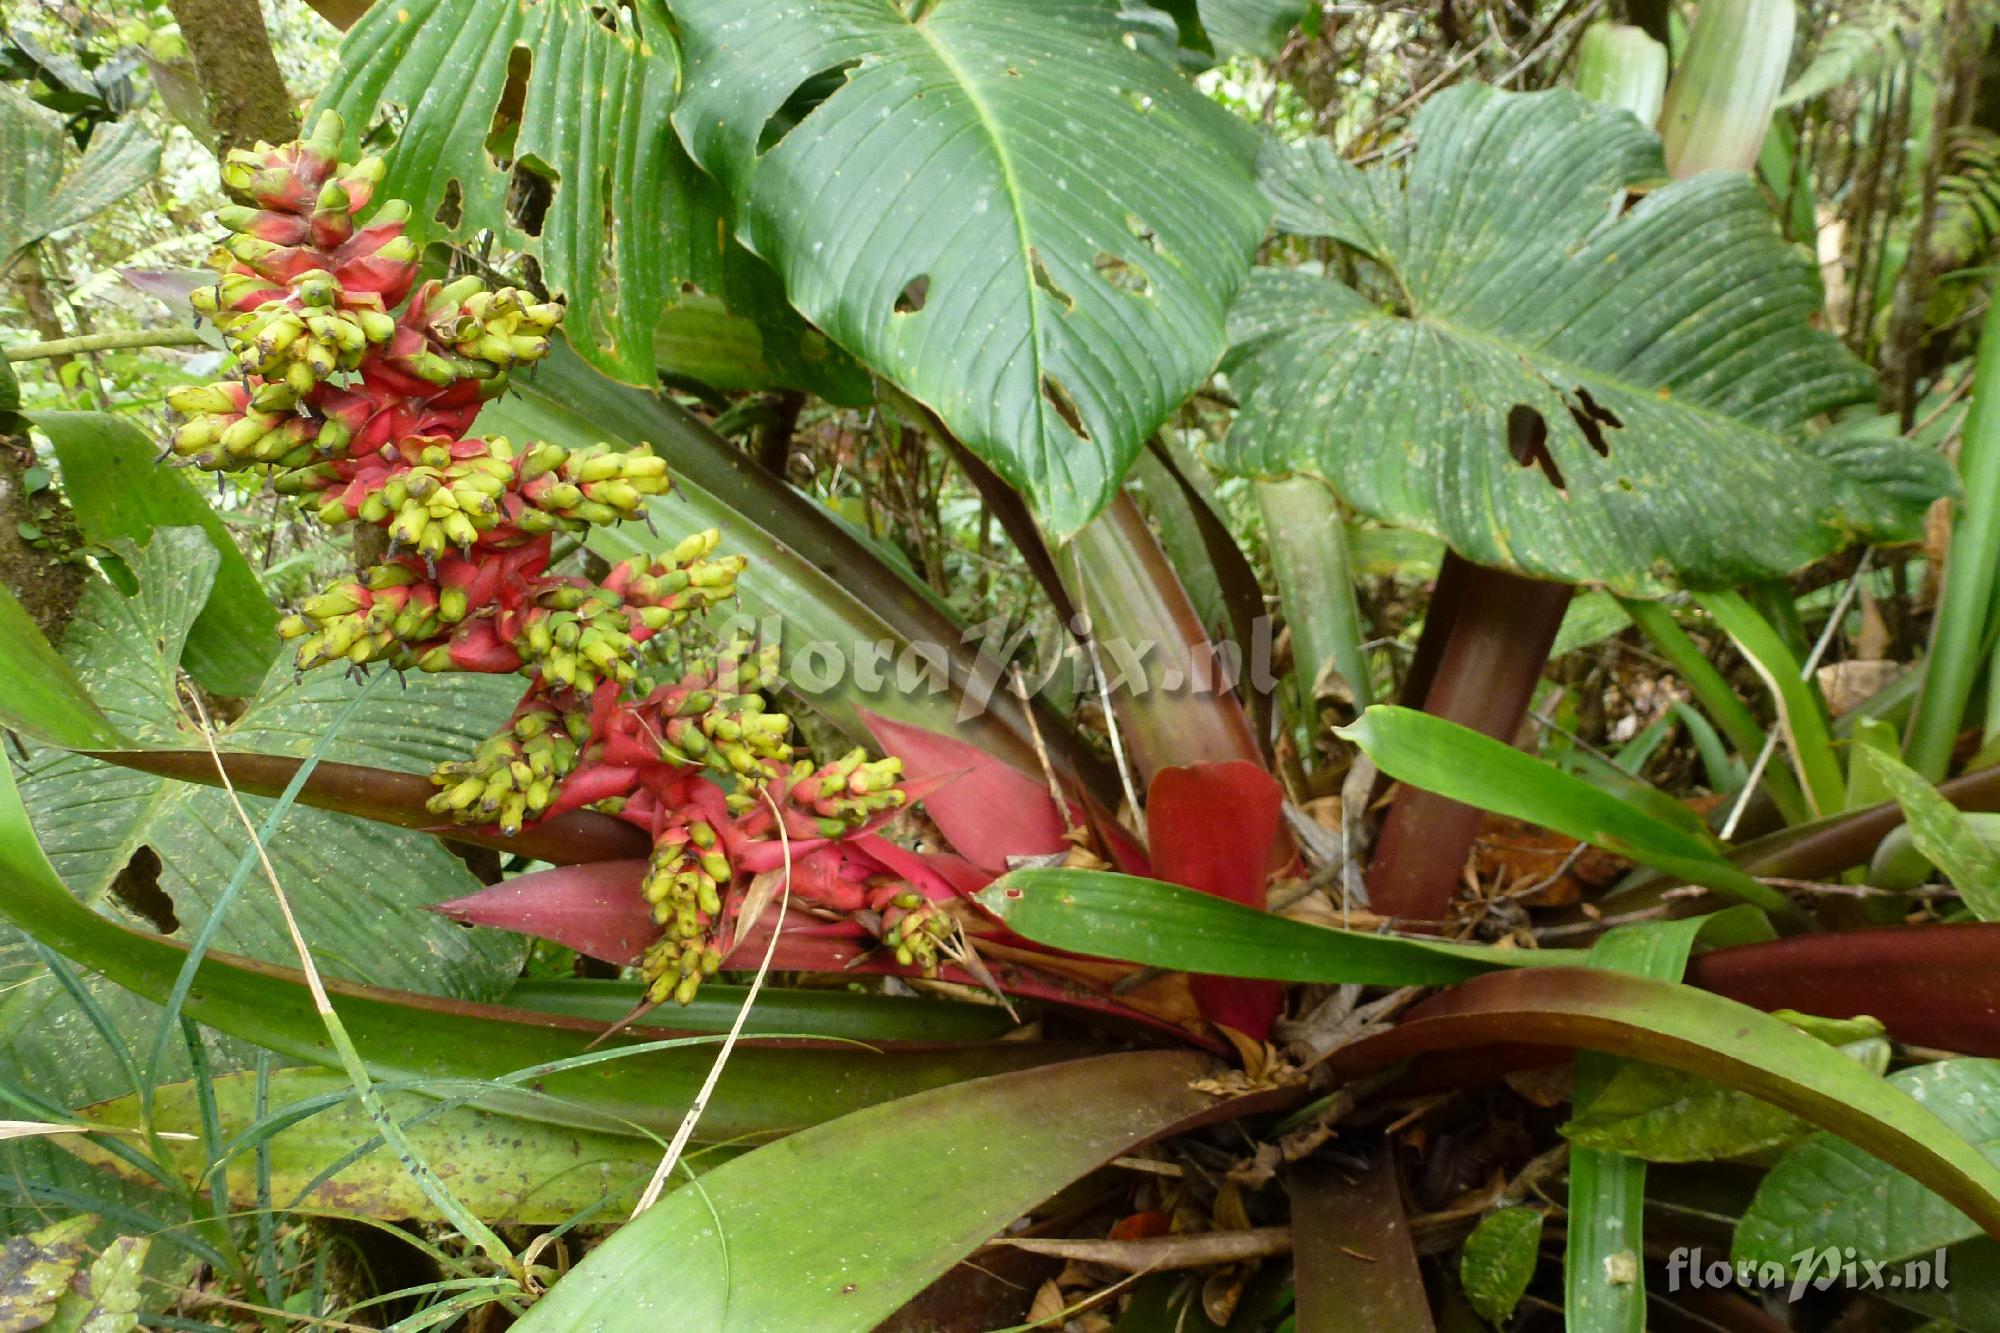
1619, 65
1718, 700
1149, 643
1801, 719
1718, 107
1308, 540
1958, 635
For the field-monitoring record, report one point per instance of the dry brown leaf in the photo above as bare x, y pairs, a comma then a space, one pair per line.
1048, 1305
1848, 685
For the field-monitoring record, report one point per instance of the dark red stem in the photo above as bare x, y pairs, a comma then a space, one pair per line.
1485, 679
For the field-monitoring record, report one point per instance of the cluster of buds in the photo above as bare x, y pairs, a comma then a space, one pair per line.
355, 390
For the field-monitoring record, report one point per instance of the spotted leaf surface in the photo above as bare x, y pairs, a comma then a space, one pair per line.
1554, 374
1001, 205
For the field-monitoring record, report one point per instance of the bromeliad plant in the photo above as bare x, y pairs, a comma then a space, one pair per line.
1554, 366
362, 412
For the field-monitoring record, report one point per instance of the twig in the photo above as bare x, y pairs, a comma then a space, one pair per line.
102, 342
1811, 665
1015, 683
1089, 637
658, 1183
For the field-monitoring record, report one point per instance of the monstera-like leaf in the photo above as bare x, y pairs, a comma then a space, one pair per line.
1549, 383
1004, 206
545, 123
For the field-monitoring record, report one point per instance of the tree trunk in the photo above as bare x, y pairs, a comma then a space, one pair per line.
246, 95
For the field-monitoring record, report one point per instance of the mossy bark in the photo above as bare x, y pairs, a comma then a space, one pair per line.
246, 95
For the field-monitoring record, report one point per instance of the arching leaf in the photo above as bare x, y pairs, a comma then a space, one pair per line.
969, 195
1654, 372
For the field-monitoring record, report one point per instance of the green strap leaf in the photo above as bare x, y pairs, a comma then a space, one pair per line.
1077, 293
837, 1226
43, 698
1668, 354
500, 1167
1165, 925
1455, 761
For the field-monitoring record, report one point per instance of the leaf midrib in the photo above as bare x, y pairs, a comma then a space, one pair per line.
1011, 183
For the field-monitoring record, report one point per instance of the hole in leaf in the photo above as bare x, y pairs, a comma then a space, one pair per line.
451, 205
1528, 442
1047, 283
1122, 273
137, 889
506, 124
1065, 406
1591, 418
606, 16
531, 186
805, 99
911, 299
1143, 233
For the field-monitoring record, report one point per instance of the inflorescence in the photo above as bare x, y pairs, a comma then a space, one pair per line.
354, 389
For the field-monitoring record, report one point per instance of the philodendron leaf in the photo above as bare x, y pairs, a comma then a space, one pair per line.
1826, 1192
1499, 1261
1455, 761
833, 1228
1655, 371
1250, 27
967, 195
1941, 832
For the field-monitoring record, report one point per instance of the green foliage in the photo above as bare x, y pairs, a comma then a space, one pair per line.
1652, 1113
39, 195
52, 1280
1668, 356
118, 493
1499, 1261
1078, 296
835, 1227
1165, 925
316, 1148
1942, 834
1441, 756
1824, 1193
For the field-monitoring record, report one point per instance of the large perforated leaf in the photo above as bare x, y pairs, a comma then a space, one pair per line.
1001, 205
544, 123
1658, 367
